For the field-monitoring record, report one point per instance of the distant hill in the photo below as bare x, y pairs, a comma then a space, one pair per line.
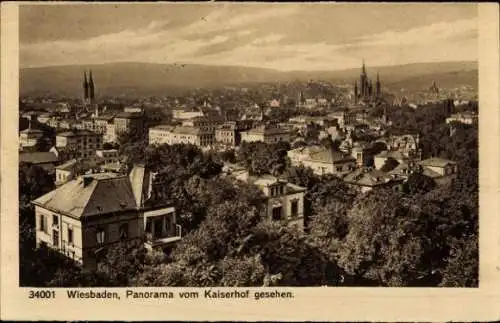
162, 79
443, 80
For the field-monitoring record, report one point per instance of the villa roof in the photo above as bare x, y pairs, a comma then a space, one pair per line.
90, 195
38, 157
322, 155
437, 162
396, 154
371, 178
269, 180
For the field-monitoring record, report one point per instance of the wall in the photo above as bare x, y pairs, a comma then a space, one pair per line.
112, 228
74, 250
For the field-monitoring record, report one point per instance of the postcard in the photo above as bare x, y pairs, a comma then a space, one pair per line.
250, 161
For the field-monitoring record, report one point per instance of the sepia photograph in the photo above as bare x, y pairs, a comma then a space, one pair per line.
248, 145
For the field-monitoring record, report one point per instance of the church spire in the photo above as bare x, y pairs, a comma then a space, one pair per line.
378, 87
85, 86
91, 87
355, 91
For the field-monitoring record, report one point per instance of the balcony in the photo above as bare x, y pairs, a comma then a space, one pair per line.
161, 229
154, 241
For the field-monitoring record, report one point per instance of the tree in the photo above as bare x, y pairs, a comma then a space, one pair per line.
244, 271
387, 241
328, 229
284, 252
462, 266
330, 190
261, 158
123, 262
34, 182
418, 183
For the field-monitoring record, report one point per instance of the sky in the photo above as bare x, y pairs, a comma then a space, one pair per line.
291, 36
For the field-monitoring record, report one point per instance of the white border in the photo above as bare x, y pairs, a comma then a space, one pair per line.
309, 304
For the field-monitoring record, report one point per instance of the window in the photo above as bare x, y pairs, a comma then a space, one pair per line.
277, 211
101, 236
43, 223
55, 220
124, 231
294, 208
55, 238
168, 225
70, 236
339, 168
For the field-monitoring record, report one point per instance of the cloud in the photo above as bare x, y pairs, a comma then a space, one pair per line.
272, 38
421, 35
226, 36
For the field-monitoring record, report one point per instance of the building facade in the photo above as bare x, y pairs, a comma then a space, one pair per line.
79, 143
111, 209
170, 135
127, 122
285, 201
322, 160
28, 138
465, 118
267, 134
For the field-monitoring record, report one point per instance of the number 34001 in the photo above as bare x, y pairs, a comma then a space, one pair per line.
42, 294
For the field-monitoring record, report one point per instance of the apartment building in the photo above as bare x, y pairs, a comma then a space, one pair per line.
170, 135
129, 122
78, 143
266, 133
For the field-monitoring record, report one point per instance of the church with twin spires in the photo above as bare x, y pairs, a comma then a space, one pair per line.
88, 89
366, 91
89, 101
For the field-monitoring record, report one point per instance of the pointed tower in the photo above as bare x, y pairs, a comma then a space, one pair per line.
300, 99
355, 92
363, 80
378, 86
85, 87
91, 87
386, 115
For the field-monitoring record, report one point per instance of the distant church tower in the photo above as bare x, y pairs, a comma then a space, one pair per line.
378, 86
356, 92
88, 89
363, 81
91, 88
85, 88
300, 99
